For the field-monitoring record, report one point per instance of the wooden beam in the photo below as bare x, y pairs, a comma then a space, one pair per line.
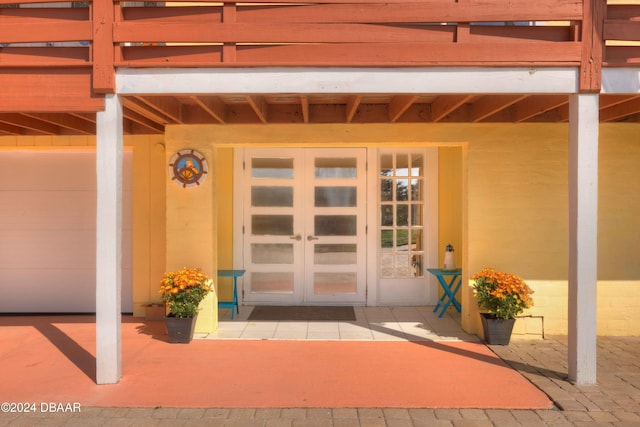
537, 105
213, 106
142, 120
259, 106
167, 106
103, 51
592, 46
144, 110
30, 122
620, 110
55, 90
399, 104
304, 104
352, 106
66, 121
446, 104
489, 105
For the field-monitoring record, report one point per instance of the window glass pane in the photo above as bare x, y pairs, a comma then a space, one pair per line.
335, 254
402, 240
386, 190
267, 253
335, 196
272, 168
386, 215
386, 165
335, 225
386, 265
334, 283
416, 190
402, 213
272, 283
402, 190
417, 165
386, 239
335, 167
272, 225
416, 215
271, 196
417, 264
416, 240
402, 217
402, 165
402, 266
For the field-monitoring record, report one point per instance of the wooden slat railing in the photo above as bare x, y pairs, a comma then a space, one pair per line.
106, 34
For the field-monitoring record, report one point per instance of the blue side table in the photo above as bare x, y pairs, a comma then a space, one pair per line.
233, 304
450, 288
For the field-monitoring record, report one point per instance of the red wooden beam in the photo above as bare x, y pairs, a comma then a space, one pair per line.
592, 45
56, 90
103, 48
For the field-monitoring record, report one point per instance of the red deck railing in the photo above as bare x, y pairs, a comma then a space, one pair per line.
94, 38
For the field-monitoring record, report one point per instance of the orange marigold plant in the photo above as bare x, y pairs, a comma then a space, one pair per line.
503, 295
183, 290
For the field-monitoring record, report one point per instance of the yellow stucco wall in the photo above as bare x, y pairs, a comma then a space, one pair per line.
191, 222
505, 185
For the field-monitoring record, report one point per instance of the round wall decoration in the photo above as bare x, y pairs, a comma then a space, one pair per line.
188, 168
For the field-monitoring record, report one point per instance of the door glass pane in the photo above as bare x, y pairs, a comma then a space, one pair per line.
417, 165
386, 165
271, 196
402, 217
335, 225
335, 167
401, 214
402, 190
416, 240
267, 253
386, 265
416, 215
417, 265
334, 283
386, 239
386, 190
335, 254
402, 240
386, 215
335, 197
402, 165
272, 168
402, 266
416, 190
272, 225
274, 283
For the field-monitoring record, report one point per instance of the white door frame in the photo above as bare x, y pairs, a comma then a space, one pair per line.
301, 294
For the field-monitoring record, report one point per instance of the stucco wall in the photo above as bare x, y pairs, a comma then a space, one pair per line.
513, 199
518, 219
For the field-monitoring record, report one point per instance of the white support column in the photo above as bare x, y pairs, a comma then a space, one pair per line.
583, 236
109, 142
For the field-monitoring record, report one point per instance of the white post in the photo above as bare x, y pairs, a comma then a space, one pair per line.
109, 142
583, 236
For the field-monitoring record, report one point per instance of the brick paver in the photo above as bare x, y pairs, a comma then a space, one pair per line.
614, 401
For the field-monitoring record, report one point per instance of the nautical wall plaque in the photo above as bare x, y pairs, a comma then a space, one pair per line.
188, 168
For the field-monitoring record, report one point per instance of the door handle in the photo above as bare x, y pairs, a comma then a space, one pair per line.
310, 238
296, 237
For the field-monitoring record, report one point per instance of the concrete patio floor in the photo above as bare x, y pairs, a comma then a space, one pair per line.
614, 401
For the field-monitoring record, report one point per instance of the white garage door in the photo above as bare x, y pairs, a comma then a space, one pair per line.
48, 231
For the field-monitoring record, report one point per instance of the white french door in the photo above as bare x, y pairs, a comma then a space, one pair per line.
304, 237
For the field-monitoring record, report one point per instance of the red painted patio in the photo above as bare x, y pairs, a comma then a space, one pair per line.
52, 359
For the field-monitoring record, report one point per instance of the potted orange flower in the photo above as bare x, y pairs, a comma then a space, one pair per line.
501, 297
183, 290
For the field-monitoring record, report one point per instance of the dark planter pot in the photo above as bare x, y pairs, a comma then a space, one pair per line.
180, 330
496, 331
